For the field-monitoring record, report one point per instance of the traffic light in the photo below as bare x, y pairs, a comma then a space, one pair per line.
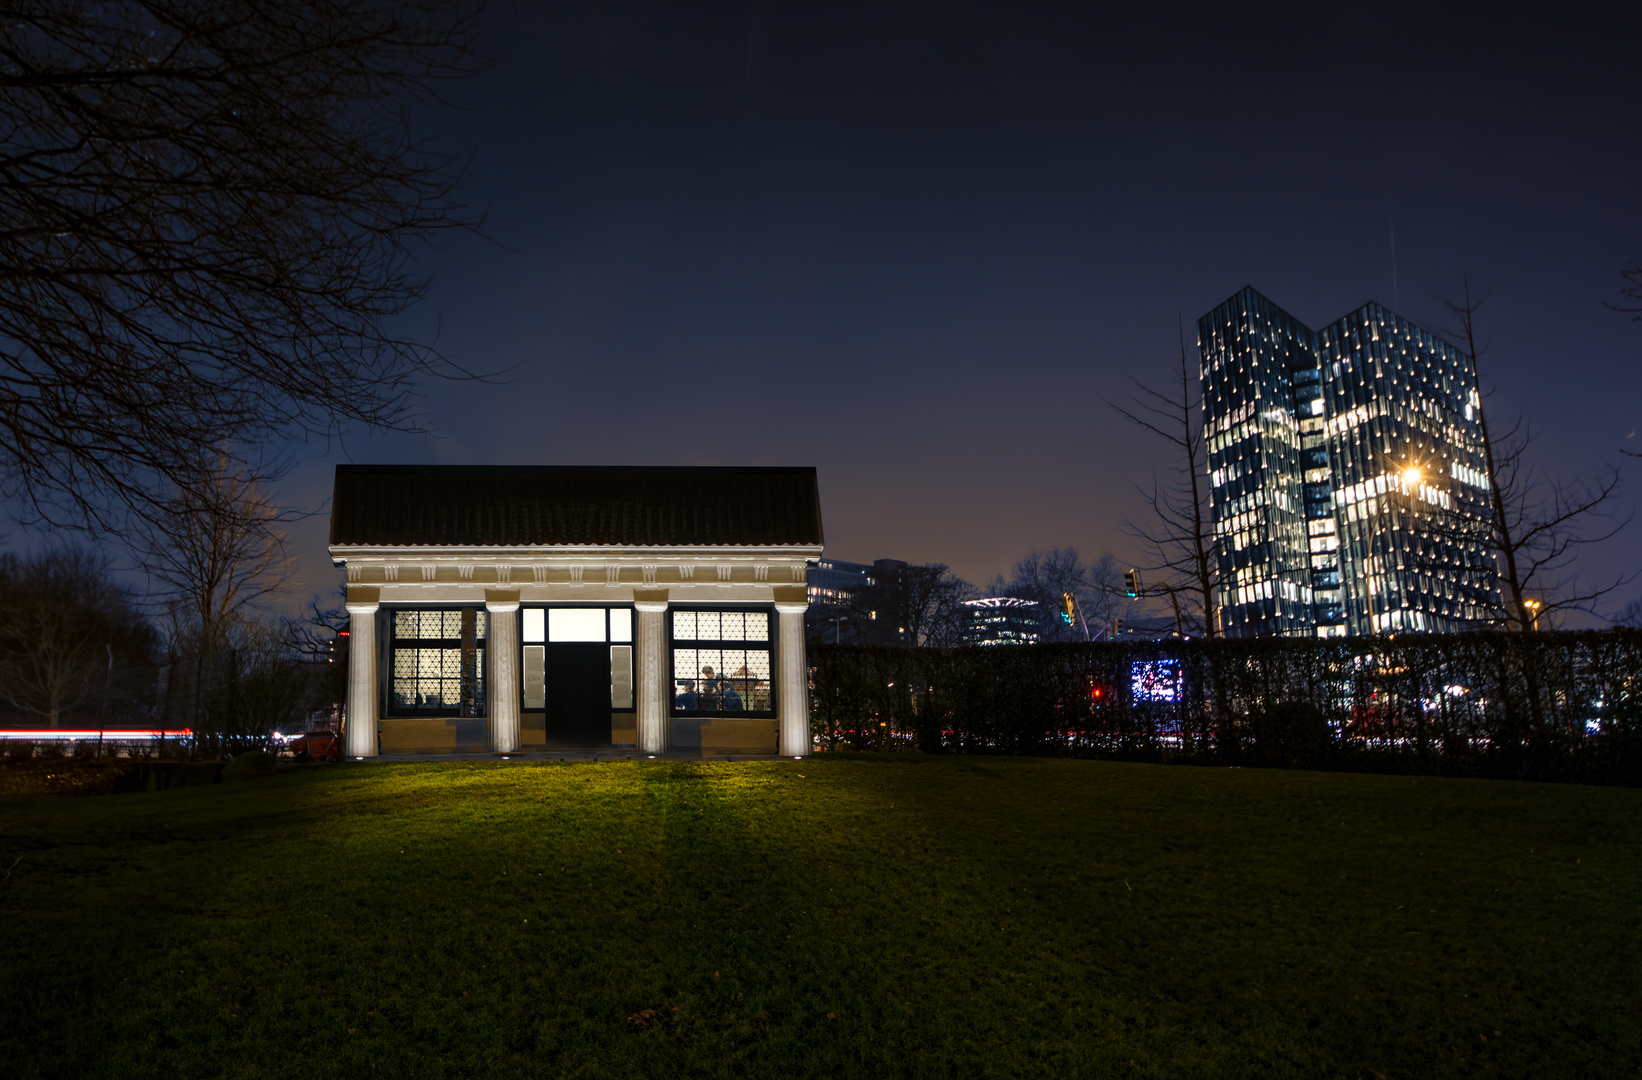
1131, 583
1068, 607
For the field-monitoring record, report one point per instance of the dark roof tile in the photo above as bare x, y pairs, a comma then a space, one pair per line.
505, 506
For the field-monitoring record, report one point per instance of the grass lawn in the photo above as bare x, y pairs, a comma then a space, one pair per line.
897, 916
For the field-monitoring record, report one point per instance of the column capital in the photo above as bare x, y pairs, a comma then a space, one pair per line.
651, 600
650, 607
501, 601
788, 608
363, 599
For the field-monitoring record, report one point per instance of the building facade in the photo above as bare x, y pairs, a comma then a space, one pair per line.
1346, 474
856, 603
1001, 620
514, 609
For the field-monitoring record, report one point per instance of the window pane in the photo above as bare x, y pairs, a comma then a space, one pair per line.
621, 676
755, 680
535, 676
621, 624
720, 680
535, 625
575, 624
684, 680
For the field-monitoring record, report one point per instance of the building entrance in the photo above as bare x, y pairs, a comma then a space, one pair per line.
578, 694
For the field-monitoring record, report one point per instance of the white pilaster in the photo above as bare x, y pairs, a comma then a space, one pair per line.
794, 699
654, 685
362, 689
502, 657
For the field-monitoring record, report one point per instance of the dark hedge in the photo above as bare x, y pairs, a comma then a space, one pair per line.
1551, 706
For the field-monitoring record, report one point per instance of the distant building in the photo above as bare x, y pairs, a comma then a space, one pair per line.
1346, 474
854, 603
1001, 620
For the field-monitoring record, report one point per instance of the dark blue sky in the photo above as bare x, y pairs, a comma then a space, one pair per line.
913, 245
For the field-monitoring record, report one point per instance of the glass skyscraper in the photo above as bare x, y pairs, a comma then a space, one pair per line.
1346, 474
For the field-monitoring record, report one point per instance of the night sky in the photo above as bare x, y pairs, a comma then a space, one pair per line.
913, 246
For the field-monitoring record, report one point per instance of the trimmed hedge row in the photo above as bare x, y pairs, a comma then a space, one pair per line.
1551, 706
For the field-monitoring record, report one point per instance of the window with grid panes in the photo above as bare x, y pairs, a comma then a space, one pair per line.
437, 660
721, 662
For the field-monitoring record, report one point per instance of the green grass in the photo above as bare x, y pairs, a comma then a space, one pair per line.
869, 917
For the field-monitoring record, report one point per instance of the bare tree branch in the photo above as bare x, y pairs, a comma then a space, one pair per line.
1178, 540
1538, 524
206, 216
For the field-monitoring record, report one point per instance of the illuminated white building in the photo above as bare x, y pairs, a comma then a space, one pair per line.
1346, 474
508, 609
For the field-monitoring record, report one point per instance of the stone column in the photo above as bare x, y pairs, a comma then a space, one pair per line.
363, 693
502, 657
654, 684
794, 691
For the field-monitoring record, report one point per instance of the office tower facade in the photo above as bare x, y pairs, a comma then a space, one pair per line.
1346, 474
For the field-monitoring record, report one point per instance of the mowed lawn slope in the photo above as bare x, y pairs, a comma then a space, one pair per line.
899, 916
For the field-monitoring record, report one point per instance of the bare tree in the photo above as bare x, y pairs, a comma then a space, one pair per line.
207, 209
1178, 539
1631, 291
64, 624
215, 549
932, 610
264, 682
1537, 525
918, 605
1048, 578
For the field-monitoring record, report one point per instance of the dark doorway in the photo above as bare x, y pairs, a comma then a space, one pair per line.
578, 694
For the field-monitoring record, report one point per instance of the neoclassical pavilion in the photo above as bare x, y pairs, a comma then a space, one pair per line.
520, 608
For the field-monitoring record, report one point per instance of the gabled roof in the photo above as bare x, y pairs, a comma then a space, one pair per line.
531, 505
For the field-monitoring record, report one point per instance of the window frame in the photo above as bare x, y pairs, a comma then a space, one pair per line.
607, 607
387, 639
773, 642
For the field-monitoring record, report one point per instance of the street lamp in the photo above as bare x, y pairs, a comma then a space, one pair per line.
1533, 606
